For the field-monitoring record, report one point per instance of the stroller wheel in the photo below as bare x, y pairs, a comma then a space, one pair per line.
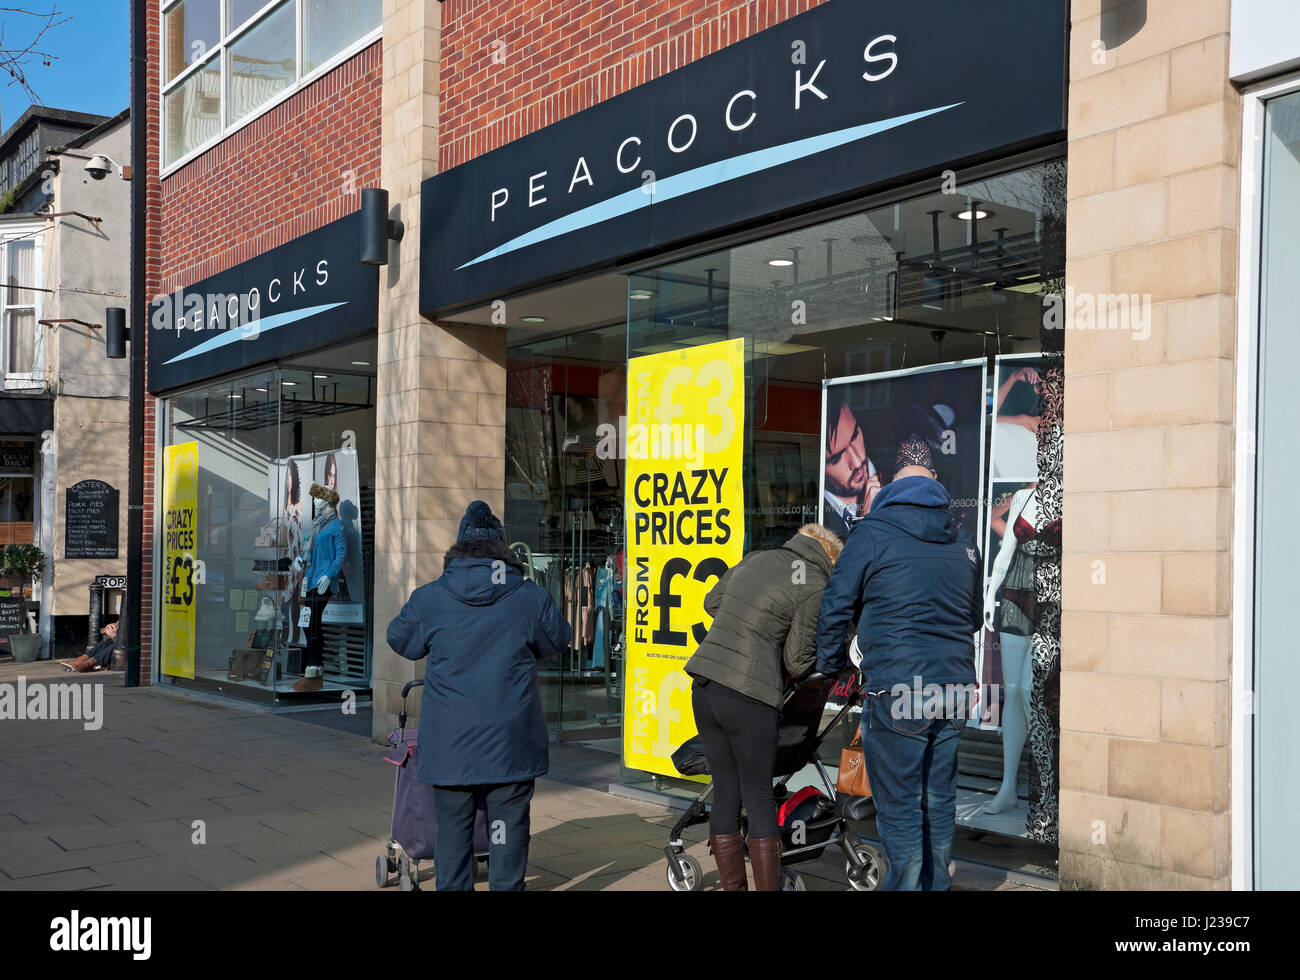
692, 875
383, 871
405, 874
873, 869
791, 881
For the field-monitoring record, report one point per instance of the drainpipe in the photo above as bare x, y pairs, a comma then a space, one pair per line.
139, 315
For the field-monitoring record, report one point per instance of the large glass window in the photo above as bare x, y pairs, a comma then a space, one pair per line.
564, 510
920, 320
247, 53
262, 440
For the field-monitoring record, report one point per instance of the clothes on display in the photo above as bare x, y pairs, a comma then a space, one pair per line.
1045, 547
1016, 453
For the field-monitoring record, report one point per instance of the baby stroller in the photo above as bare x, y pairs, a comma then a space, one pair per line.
810, 820
415, 824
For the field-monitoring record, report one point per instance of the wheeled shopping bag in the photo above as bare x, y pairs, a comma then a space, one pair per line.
415, 822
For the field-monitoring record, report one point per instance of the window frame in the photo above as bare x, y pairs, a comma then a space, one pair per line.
23, 380
220, 54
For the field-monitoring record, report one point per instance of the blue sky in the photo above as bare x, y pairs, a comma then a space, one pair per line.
92, 70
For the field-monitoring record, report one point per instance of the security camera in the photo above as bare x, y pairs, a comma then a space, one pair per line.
99, 166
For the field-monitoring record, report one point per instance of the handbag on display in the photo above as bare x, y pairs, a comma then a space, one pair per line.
852, 778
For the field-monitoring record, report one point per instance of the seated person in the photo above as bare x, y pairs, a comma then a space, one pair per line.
99, 655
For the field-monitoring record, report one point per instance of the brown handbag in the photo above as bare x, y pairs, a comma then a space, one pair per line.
852, 778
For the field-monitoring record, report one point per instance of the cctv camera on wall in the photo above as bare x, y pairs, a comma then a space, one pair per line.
100, 166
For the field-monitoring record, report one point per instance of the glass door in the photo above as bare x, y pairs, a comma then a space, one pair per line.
1277, 537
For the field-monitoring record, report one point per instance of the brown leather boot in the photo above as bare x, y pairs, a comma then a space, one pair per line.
765, 857
729, 854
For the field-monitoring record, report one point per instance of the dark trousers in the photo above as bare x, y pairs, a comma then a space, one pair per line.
507, 817
315, 655
912, 767
739, 736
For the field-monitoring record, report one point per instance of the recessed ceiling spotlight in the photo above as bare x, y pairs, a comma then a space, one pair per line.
320, 377
978, 214
532, 319
289, 384
234, 396
641, 294
780, 263
262, 390
361, 363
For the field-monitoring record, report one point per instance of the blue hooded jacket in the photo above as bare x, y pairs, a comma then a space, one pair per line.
483, 628
912, 584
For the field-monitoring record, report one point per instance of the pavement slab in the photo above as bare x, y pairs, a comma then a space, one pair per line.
286, 804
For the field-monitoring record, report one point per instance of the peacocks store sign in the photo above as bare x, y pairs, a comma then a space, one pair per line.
843, 98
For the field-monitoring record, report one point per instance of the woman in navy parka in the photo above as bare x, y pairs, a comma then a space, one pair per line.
482, 731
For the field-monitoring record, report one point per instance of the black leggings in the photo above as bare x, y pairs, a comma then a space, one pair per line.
739, 736
315, 656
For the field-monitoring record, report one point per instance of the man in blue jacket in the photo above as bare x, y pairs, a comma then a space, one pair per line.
909, 583
482, 731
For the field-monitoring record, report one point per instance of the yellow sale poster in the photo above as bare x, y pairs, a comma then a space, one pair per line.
180, 531
685, 514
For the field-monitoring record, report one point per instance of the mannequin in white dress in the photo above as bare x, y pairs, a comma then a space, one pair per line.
1015, 642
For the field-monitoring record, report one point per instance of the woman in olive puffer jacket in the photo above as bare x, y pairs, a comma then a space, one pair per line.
764, 628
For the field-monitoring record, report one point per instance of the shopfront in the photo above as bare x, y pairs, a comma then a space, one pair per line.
266, 380
767, 270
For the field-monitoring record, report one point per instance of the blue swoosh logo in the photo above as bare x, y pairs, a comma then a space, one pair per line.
252, 330
701, 178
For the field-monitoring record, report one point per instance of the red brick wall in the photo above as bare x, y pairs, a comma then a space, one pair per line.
297, 167
511, 68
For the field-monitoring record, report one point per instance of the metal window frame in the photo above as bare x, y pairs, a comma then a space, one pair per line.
1255, 101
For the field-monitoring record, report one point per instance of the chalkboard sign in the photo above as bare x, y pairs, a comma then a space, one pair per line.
12, 620
90, 521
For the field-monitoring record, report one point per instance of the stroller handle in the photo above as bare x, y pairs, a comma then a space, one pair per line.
406, 689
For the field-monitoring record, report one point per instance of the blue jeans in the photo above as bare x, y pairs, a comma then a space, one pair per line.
508, 833
912, 766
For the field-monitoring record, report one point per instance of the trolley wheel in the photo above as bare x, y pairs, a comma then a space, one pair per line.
791, 881
692, 875
383, 871
405, 875
873, 869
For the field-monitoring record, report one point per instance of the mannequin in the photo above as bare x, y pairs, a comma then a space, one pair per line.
1017, 628
328, 550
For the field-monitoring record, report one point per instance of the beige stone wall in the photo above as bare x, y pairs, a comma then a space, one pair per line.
441, 413
1153, 188
90, 444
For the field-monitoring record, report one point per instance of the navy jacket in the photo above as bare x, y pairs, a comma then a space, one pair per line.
481, 718
912, 585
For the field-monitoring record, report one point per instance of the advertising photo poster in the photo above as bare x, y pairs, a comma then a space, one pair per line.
685, 509
180, 532
867, 417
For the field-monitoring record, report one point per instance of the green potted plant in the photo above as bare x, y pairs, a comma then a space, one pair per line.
25, 562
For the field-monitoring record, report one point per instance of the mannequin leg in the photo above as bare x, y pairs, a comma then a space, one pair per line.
1015, 717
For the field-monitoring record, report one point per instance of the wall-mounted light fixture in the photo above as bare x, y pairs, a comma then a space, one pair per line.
116, 332
377, 229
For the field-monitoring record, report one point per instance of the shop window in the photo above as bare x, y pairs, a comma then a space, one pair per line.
239, 462
247, 54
